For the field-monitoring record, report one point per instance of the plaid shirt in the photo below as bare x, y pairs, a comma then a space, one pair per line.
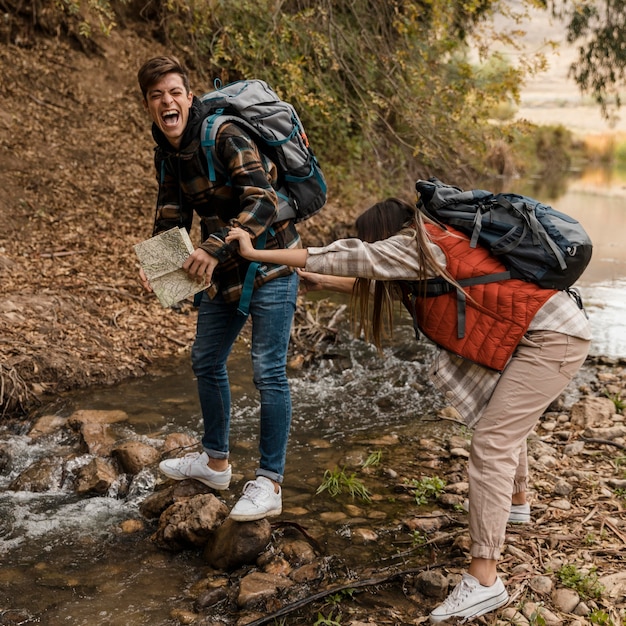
466, 385
245, 198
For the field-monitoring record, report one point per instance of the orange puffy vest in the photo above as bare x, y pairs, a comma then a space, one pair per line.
496, 314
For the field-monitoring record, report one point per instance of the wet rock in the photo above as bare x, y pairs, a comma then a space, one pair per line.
362, 536
96, 477
297, 551
130, 526
97, 438
592, 411
183, 617
190, 522
236, 543
432, 584
211, 596
43, 475
565, 600
425, 524
259, 586
46, 425
176, 444
153, 505
93, 416
308, 573
541, 584
135, 456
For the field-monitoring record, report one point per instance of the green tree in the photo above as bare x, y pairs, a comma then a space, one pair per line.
600, 29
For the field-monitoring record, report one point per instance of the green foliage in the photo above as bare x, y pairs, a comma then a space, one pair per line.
373, 459
426, 488
600, 617
336, 482
382, 87
587, 585
90, 15
326, 621
600, 27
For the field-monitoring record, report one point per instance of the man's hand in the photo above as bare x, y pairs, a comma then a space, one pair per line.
200, 266
144, 280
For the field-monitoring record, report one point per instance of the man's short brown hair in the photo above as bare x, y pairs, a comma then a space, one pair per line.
153, 70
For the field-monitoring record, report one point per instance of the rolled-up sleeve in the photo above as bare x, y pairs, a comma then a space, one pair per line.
395, 258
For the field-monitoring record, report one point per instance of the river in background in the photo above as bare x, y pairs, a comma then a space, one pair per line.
64, 559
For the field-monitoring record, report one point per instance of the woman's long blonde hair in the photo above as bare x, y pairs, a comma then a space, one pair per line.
381, 221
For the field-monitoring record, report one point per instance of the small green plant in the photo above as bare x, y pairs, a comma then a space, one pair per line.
373, 459
426, 488
589, 539
536, 618
601, 618
326, 621
337, 481
418, 539
340, 596
587, 585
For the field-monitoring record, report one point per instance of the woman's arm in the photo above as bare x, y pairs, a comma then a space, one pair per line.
309, 281
293, 257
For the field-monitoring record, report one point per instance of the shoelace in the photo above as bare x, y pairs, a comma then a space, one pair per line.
459, 593
252, 490
187, 461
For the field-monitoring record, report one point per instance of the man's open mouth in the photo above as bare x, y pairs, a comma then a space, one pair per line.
170, 118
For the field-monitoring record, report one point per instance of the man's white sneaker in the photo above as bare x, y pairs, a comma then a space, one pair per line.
194, 465
259, 500
470, 599
518, 513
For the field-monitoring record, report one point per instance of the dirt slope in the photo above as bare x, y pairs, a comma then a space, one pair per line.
78, 190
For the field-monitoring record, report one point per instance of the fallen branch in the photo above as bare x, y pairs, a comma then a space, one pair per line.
604, 442
370, 582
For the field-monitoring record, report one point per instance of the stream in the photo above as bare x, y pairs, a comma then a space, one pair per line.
64, 559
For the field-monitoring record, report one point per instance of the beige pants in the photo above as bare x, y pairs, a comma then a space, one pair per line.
540, 369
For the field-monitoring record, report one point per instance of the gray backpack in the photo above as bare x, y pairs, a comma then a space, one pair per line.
278, 131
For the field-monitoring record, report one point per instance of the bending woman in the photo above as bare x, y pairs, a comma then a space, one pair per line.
508, 349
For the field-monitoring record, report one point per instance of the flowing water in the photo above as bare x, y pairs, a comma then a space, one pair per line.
64, 559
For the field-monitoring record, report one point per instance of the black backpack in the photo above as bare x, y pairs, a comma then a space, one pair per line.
535, 242
276, 127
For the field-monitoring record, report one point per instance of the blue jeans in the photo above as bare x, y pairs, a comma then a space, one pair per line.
272, 309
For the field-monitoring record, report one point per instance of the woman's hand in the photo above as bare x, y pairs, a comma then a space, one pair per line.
246, 249
310, 281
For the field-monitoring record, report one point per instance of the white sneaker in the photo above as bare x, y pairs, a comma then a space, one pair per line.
194, 465
518, 513
470, 599
259, 500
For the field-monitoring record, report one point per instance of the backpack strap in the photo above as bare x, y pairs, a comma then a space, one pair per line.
248, 283
539, 235
438, 287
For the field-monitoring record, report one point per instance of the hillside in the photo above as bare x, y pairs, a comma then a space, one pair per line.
78, 191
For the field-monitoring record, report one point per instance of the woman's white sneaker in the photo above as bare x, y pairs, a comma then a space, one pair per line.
195, 465
259, 500
470, 599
